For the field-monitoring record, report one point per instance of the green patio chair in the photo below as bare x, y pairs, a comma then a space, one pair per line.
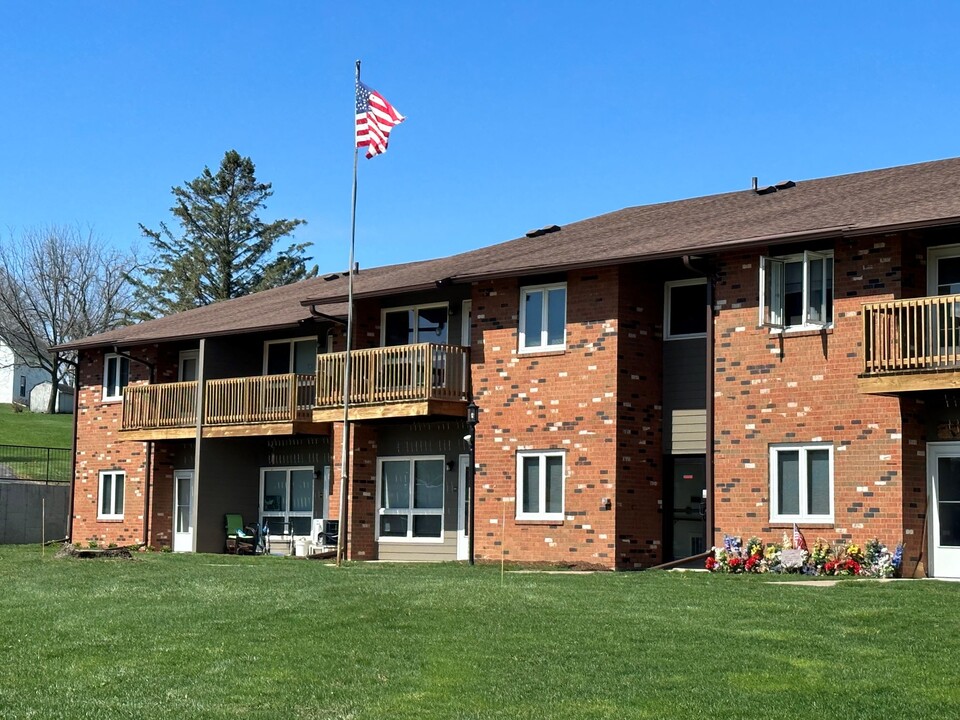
241, 539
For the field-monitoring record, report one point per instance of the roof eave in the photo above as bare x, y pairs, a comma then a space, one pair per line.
613, 259
81, 345
336, 299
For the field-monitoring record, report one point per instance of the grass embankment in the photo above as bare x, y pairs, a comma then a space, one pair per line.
36, 429
234, 637
32, 430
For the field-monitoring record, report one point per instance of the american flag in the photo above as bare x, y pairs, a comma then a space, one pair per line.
799, 541
375, 119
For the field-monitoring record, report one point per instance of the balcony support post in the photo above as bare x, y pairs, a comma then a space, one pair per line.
199, 411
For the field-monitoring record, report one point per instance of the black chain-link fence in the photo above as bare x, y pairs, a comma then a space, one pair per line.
22, 462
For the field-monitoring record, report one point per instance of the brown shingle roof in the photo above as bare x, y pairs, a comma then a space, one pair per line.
910, 195
923, 194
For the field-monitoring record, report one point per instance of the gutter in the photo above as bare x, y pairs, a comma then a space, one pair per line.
323, 316
137, 341
708, 392
780, 238
340, 299
842, 231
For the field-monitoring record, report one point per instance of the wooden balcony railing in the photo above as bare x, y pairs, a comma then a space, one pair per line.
271, 398
912, 335
232, 401
168, 405
379, 376
394, 374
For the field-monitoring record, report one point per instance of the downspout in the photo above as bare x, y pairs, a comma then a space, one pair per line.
148, 455
73, 447
148, 477
148, 483
708, 392
199, 410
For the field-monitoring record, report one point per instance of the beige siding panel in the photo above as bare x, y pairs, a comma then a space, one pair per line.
689, 432
684, 388
420, 552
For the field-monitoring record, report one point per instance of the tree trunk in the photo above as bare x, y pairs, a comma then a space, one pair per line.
55, 387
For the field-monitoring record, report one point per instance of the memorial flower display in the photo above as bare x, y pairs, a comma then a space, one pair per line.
874, 559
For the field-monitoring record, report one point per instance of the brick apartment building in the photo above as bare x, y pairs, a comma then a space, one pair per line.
647, 381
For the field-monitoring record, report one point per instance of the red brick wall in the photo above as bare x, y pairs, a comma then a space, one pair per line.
362, 499
167, 456
639, 494
803, 388
99, 448
161, 496
914, 508
560, 400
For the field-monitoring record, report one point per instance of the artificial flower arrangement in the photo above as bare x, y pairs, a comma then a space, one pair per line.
874, 559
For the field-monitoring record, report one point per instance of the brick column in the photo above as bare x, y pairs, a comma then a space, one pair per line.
362, 495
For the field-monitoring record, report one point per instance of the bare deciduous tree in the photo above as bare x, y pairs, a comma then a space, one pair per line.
59, 284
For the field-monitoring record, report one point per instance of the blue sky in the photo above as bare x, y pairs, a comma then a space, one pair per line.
520, 114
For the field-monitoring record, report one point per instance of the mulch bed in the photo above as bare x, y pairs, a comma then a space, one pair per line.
69, 550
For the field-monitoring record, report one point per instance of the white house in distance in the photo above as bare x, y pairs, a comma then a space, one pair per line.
16, 379
40, 398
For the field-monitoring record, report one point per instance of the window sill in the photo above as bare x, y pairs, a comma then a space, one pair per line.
694, 336
112, 400
542, 352
539, 521
110, 519
803, 524
411, 540
801, 331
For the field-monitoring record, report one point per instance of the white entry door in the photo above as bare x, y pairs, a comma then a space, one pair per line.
463, 511
943, 512
182, 524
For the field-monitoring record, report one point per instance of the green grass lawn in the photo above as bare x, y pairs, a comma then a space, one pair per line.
206, 636
38, 429
35, 430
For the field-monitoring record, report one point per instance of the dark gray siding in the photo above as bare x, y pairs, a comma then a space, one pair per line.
229, 478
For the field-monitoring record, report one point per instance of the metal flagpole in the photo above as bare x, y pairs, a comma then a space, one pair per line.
345, 440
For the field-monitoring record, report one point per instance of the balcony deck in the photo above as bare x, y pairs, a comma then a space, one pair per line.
398, 381
234, 407
911, 345
403, 381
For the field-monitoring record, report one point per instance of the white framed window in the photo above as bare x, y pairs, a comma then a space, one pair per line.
543, 317
286, 499
189, 365
540, 481
116, 375
943, 270
110, 498
23, 386
290, 355
410, 498
684, 309
466, 320
415, 324
796, 291
801, 483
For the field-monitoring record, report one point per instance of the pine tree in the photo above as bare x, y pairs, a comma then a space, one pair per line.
225, 250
